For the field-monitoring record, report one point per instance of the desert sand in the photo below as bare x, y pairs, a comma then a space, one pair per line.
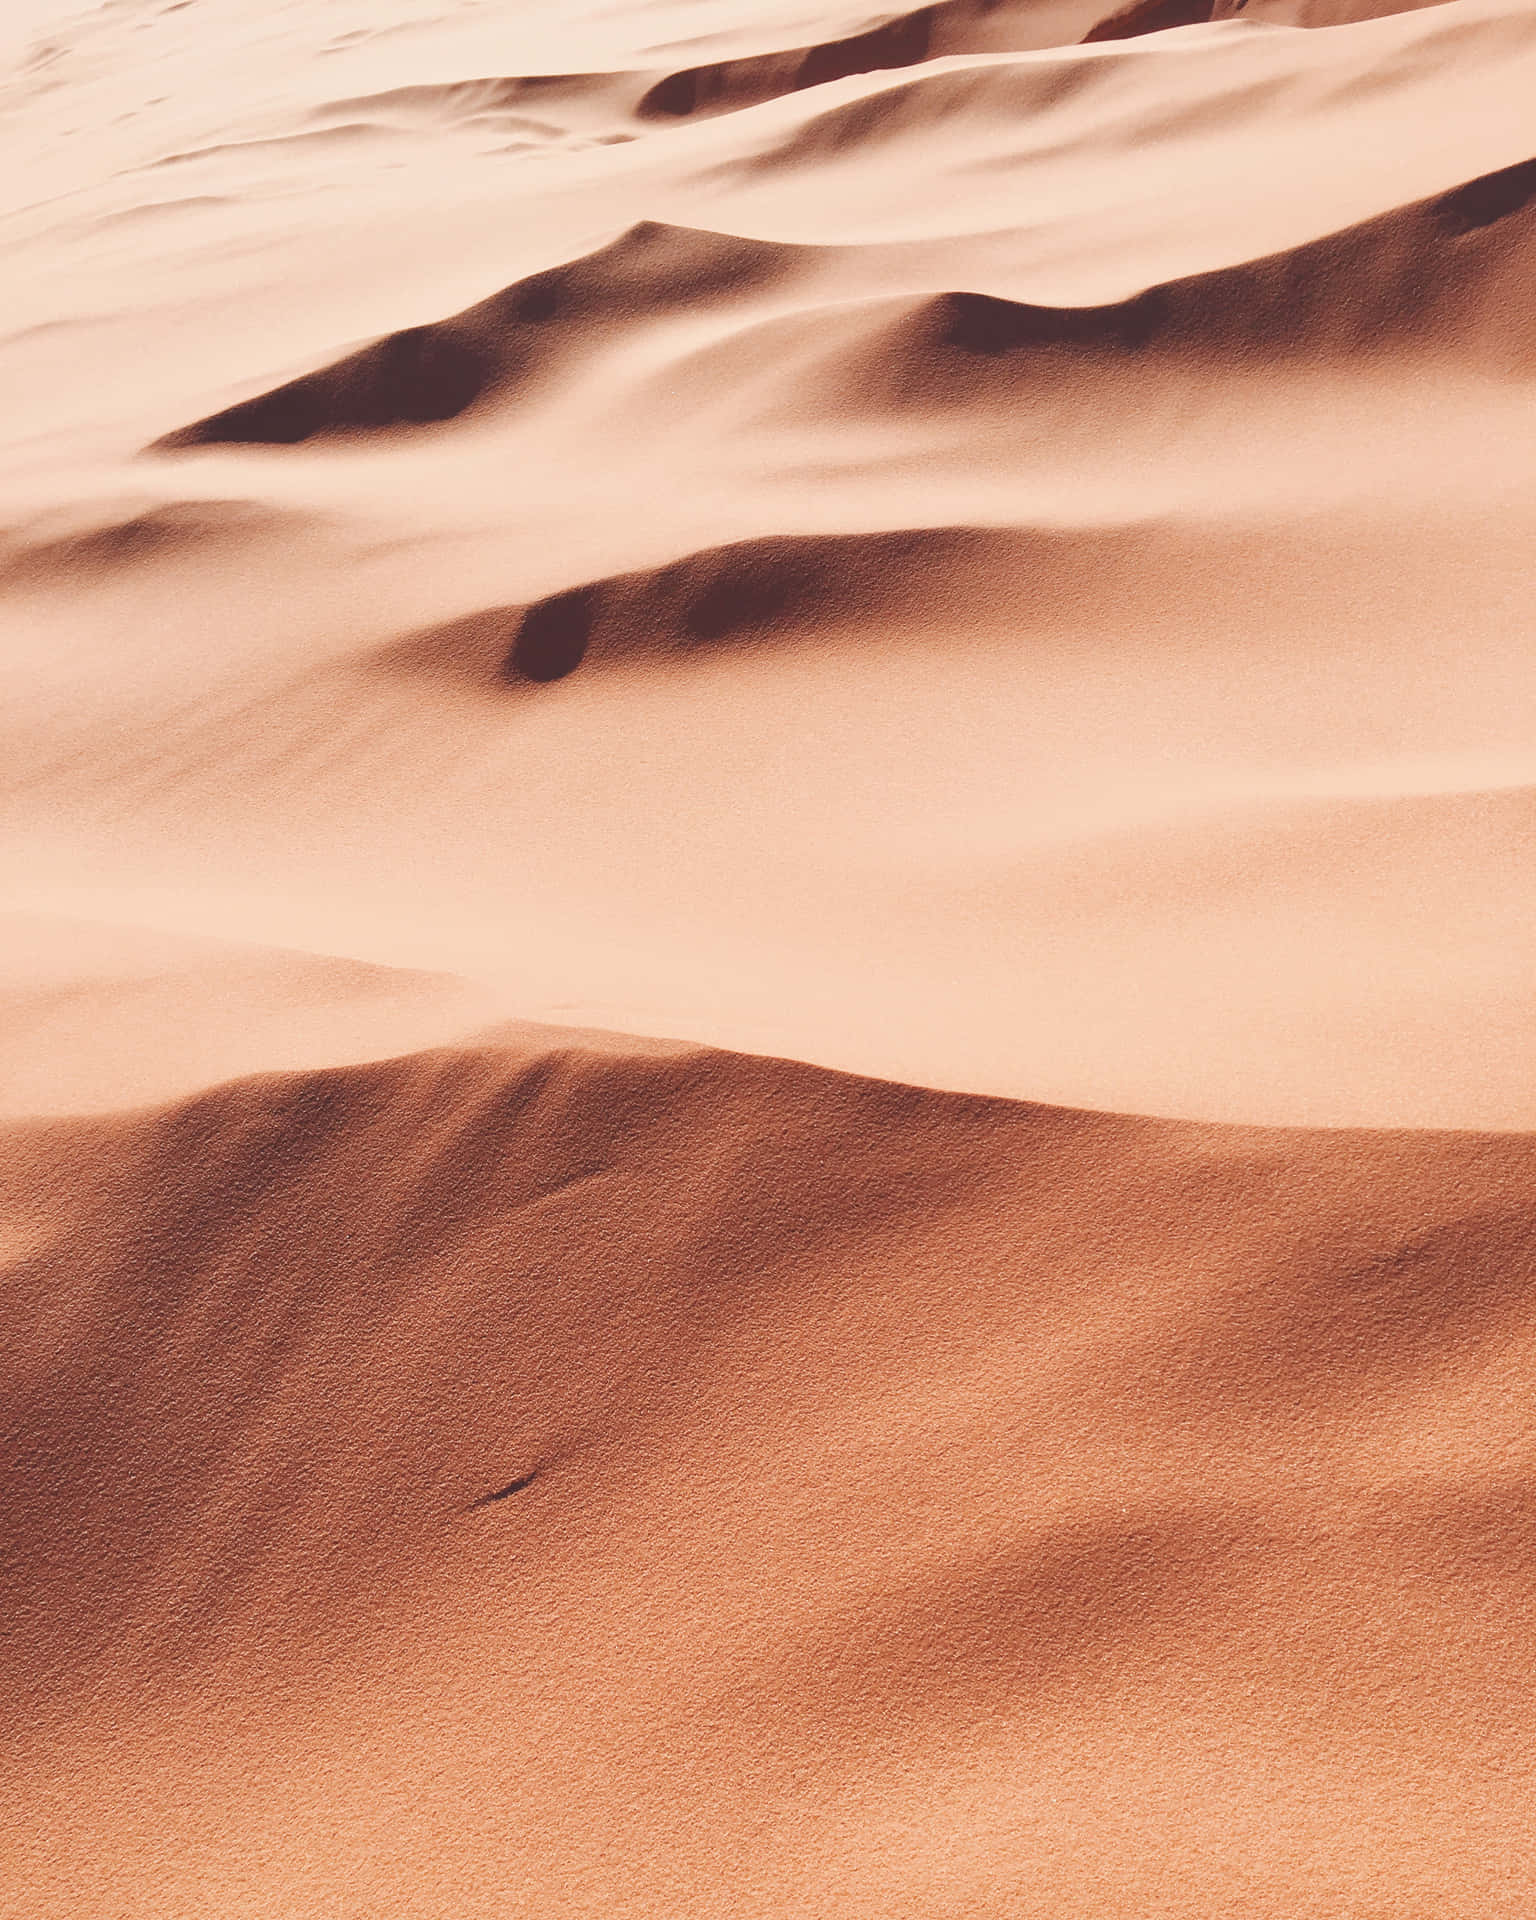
767, 1038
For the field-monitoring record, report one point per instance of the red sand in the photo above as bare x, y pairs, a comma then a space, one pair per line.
987, 548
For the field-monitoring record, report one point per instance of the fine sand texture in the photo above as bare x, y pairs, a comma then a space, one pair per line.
768, 960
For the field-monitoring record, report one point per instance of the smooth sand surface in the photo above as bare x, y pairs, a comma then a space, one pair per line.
661, 658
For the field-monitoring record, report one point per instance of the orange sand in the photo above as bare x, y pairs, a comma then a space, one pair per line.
984, 548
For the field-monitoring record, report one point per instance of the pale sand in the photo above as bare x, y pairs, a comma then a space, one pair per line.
906, 543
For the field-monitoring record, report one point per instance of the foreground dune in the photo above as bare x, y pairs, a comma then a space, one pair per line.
664, 1482
661, 660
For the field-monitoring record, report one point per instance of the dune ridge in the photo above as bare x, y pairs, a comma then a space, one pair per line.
767, 588
650, 97
425, 375
1415, 274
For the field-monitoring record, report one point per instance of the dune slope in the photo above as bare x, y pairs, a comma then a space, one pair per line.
527, 1480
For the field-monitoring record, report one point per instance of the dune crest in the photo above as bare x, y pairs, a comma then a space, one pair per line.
429, 374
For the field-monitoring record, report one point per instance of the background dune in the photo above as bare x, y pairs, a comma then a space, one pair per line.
662, 660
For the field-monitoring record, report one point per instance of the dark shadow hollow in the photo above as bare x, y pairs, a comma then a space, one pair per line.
981, 323
553, 637
1493, 196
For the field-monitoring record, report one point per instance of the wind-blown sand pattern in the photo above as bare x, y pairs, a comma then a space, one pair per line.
767, 1039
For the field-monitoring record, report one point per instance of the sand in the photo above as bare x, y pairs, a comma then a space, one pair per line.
766, 1020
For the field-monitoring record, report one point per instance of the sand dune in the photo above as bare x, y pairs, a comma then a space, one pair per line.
1415, 273
766, 941
679, 1449
434, 373
907, 39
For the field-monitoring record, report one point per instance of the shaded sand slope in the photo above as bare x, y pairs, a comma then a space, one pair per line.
948, 28
527, 1481
433, 373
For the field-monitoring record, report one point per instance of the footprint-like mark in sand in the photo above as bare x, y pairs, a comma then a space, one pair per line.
503, 1493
